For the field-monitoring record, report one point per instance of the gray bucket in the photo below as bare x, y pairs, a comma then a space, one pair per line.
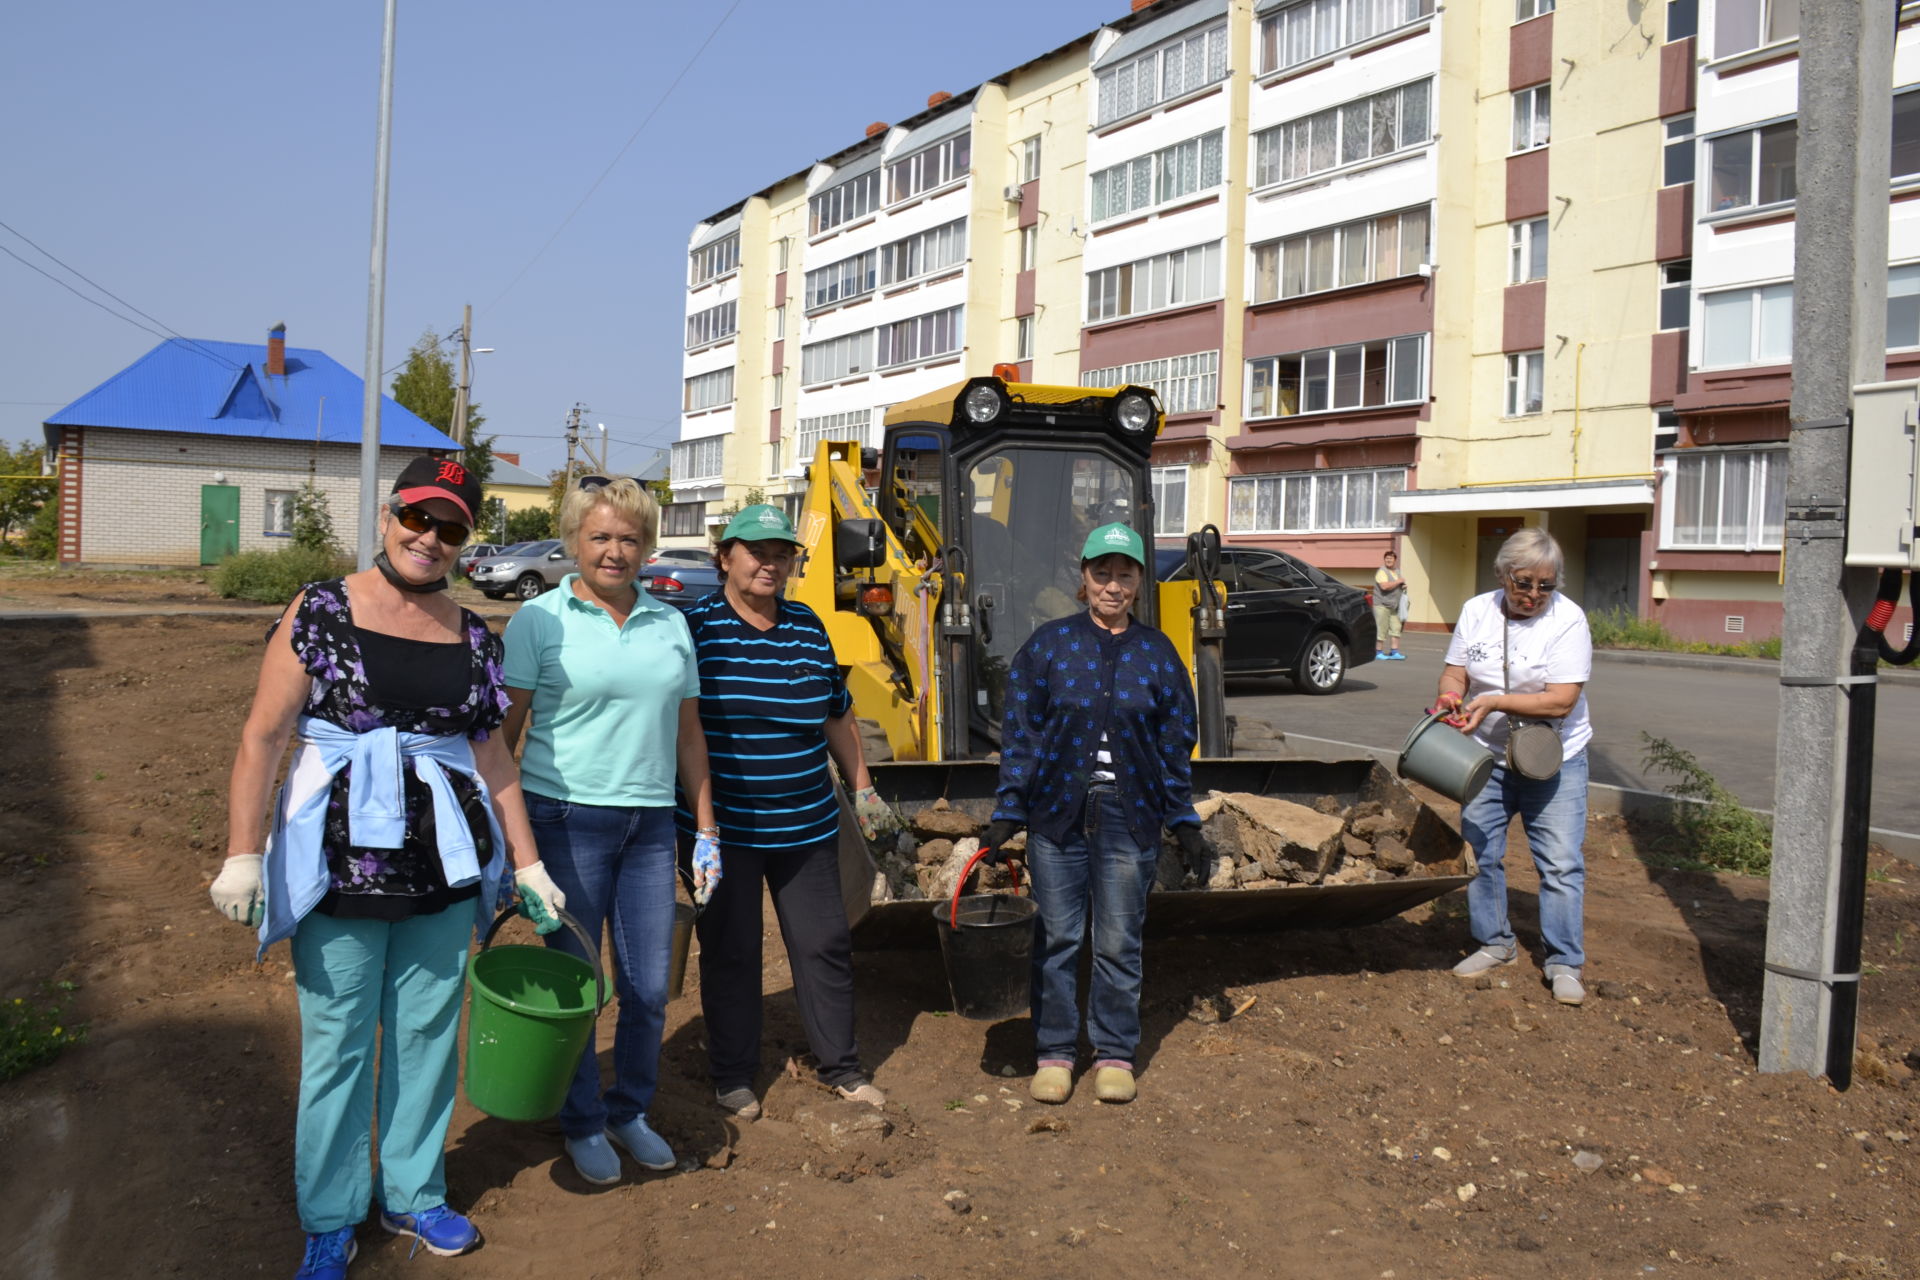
1445, 759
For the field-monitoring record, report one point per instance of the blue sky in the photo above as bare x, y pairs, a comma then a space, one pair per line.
212, 164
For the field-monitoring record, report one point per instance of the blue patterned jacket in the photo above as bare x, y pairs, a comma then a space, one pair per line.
1073, 680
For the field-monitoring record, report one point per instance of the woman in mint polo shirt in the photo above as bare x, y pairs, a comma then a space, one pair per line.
608, 675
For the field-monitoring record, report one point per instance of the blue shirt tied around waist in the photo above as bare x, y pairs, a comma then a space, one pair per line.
1073, 681
294, 871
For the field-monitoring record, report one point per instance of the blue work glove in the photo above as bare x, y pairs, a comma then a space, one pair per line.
538, 897
1194, 850
706, 867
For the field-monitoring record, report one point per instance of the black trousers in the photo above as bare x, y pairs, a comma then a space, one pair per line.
805, 884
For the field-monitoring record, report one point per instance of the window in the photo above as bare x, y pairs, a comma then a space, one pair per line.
1030, 159
853, 425
1735, 499
1747, 326
839, 281
1186, 384
1170, 71
779, 322
1666, 430
1302, 32
1532, 116
1360, 375
1347, 134
1753, 167
1526, 251
854, 198
1154, 284
1382, 248
1023, 338
919, 255
1683, 19
712, 324
835, 358
1167, 174
1169, 501
929, 167
1903, 307
1315, 502
937, 333
1676, 294
1906, 136
780, 253
1525, 372
1030, 247
683, 520
1525, 9
778, 390
1739, 25
710, 262
697, 460
278, 521
1677, 162
708, 390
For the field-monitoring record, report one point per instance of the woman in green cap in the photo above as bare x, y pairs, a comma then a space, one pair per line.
1095, 761
775, 709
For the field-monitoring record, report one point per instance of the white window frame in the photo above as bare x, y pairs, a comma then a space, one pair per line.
714, 261
1185, 384
831, 359
1158, 178
1752, 144
1676, 282
1315, 29
1903, 284
840, 282
1326, 141
712, 325
1023, 338
1716, 309
926, 253
843, 203
1526, 384
1527, 10
1030, 159
1169, 517
1527, 250
1030, 247
1679, 150
1169, 71
1760, 529
276, 519
1278, 264
1180, 278
918, 339
1532, 117
1770, 21
1266, 396
854, 424
699, 461
930, 168
683, 520
710, 390
1244, 495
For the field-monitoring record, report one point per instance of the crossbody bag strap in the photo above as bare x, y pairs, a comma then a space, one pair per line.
1506, 679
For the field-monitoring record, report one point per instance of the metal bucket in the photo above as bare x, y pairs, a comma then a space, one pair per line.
683, 918
1445, 759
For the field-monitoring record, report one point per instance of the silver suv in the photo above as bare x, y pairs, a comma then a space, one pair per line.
525, 573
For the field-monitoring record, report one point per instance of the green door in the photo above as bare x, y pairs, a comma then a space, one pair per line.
219, 522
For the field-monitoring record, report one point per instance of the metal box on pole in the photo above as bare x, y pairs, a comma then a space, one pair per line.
1883, 496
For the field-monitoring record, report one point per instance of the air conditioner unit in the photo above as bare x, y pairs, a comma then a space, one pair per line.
1014, 193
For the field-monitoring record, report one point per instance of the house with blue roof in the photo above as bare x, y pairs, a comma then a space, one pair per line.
195, 451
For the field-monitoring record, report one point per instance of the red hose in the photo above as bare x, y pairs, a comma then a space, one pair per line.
953, 917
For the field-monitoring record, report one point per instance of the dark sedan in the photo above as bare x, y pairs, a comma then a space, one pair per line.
679, 583
1285, 617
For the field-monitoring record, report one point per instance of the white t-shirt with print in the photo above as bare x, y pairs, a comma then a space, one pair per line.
1554, 646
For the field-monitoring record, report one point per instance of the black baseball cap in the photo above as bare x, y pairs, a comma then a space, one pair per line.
430, 477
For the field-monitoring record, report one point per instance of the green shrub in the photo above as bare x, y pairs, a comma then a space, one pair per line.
275, 577
529, 525
1619, 628
35, 1031
1717, 833
313, 521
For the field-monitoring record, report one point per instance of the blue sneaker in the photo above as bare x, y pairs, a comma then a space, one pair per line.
440, 1229
648, 1149
1396, 656
328, 1255
594, 1160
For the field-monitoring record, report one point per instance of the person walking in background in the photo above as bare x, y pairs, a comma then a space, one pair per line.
604, 676
1524, 650
1389, 599
775, 708
1095, 761
400, 807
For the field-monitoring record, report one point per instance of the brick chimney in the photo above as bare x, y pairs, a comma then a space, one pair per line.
1138, 5
277, 351
877, 128
937, 97
504, 456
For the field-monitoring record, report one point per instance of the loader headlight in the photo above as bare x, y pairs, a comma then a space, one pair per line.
983, 404
1134, 412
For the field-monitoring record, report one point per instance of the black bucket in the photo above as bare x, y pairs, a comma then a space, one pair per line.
986, 942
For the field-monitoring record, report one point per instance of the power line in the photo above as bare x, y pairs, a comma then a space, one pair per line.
620, 155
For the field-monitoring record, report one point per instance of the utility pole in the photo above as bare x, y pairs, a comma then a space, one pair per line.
573, 437
1839, 340
376, 310
466, 376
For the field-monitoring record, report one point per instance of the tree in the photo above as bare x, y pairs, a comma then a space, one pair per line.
21, 498
426, 385
529, 524
313, 520
752, 498
477, 457
42, 541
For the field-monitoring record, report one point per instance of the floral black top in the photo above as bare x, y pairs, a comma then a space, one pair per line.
358, 690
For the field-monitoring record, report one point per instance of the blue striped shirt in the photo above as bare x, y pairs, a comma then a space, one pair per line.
764, 699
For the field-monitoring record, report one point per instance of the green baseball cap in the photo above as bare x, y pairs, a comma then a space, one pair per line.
762, 522
1115, 539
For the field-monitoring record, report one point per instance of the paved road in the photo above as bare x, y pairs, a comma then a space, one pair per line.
1726, 718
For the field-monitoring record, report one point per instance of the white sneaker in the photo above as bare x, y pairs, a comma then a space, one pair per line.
1484, 959
1565, 981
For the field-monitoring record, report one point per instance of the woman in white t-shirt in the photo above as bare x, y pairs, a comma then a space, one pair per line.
1524, 650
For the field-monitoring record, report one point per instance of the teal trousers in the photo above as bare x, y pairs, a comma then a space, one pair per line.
404, 979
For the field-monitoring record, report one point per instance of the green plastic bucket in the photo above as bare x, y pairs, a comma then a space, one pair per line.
533, 1009
1445, 759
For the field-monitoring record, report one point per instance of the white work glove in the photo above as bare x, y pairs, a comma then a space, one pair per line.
875, 816
539, 897
706, 867
237, 891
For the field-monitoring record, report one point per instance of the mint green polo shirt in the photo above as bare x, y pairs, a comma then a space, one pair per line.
606, 698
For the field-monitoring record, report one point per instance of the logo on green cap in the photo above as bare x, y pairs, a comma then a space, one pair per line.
1114, 539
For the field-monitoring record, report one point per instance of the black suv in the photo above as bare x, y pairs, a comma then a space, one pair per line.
1285, 617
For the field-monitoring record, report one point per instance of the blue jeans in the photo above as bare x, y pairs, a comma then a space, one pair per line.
1553, 813
615, 864
1100, 866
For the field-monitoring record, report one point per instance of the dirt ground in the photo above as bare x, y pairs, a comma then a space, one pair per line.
1367, 1115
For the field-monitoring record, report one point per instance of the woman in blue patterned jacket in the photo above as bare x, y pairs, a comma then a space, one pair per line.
1095, 761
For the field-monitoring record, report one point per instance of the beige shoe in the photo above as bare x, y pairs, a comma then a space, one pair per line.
860, 1090
1113, 1084
1052, 1084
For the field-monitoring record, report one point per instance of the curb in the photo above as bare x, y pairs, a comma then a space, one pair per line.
1703, 662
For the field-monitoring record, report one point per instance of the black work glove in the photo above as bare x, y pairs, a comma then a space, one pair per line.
1193, 849
999, 831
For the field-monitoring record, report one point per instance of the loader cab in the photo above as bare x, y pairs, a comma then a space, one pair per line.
1001, 481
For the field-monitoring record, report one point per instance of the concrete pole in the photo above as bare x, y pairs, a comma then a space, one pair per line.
1839, 340
459, 423
376, 310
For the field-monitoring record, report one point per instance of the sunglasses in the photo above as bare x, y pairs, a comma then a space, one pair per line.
420, 520
1528, 587
588, 484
